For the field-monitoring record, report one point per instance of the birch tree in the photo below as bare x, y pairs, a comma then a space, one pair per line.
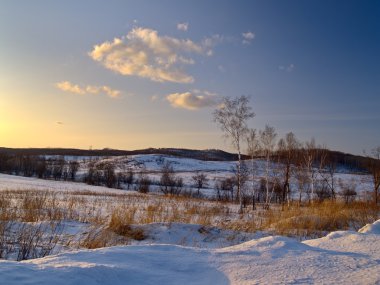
252, 150
287, 151
232, 117
309, 157
267, 142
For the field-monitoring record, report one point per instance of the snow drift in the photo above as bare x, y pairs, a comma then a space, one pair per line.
343, 257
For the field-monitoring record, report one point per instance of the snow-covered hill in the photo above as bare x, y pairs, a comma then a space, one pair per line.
185, 168
343, 257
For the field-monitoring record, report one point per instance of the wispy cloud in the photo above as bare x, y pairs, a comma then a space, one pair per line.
288, 68
193, 100
221, 68
182, 26
247, 37
145, 53
67, 86
154, 98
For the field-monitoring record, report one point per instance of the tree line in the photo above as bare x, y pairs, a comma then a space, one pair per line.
286, 159
56, 168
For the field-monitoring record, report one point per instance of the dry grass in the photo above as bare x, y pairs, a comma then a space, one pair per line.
115, 218
316, 219
119, 224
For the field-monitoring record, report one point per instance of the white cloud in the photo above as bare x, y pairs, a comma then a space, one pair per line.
69, 87
144, 53
89, 89
154, 98
248, 37
192, 100
182, 26
288, 68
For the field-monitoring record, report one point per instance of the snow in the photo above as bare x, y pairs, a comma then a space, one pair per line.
371, 228
343, 257
184, 167
159, 264
12, 182
193, 235
175, 253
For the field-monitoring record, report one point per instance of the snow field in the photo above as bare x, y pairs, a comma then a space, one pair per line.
186, 241
339, 258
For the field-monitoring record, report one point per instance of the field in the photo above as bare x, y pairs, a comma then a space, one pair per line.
99, 235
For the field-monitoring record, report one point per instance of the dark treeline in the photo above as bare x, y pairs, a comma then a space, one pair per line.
209, 154
56, 168
349, 161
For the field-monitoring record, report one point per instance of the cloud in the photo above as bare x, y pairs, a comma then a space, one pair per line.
67, 86
144, 53
288, 68
182, 26
247, 37
221, 68
59, 123
154, 98
193, 100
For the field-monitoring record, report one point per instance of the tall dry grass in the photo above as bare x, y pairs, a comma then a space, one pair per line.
114, 218
315, 219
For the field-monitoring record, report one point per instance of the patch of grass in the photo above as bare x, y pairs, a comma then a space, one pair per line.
316, 219
120, 226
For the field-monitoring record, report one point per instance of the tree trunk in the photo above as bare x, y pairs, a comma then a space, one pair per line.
239, 182
253, 185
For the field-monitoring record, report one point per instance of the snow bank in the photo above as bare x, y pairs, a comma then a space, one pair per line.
339, 258
159, 264
192, 235
371, 228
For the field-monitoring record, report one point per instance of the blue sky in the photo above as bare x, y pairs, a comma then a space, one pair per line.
136, 74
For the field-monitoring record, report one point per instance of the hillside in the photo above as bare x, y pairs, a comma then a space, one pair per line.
208, 154
345, 160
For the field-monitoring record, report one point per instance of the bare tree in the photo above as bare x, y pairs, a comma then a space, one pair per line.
169, 183
287, 151
252, 150
225, 188
373, 166
348, 189
267, 142
143, 182
58, 167
200, 180
129, 179
232, 117
327, 169
302, 179
109, 175
309, 154
73, 169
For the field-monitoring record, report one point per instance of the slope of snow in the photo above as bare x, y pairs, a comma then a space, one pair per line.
371, 228
159, 264
192, 235
183, 167
339, 258
12, 182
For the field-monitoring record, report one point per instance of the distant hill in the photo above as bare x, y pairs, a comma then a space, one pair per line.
208, 154
346, 160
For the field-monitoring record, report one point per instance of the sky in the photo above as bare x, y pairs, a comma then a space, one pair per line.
137, 74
